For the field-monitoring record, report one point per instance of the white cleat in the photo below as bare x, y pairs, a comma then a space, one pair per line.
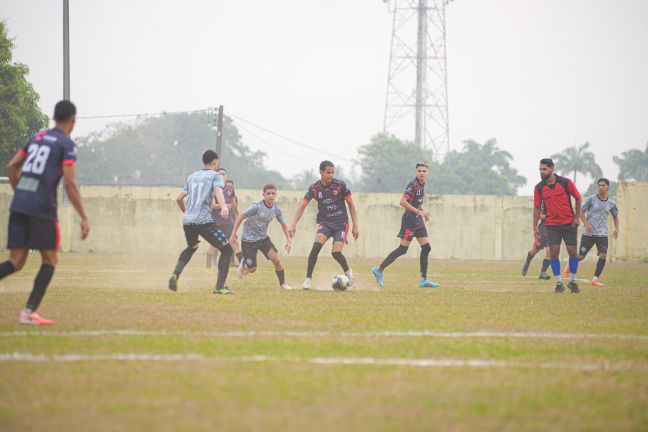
349, 274
240, 271
286, 286
307, 284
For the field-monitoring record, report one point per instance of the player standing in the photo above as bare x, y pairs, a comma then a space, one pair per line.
34, 173
539, 244
255, 234
561, 222
332, 218
412, 225
201, 188
594, 214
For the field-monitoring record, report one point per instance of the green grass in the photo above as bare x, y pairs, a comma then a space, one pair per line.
596, 382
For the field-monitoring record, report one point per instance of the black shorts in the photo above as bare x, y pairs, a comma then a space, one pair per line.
409, 231
32, 232
543, 241
557, 233
225, 225
250, 249
337, 231
209, 231
588, 241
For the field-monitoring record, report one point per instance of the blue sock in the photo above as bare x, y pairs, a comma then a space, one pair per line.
573, 265
555, 266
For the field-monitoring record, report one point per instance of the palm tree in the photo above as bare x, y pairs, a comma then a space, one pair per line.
578, 160
633, 165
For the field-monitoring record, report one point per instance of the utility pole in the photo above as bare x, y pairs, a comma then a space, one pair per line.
417, 87
66, 49
219, 133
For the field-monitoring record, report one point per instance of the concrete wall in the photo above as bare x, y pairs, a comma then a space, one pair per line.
129, 219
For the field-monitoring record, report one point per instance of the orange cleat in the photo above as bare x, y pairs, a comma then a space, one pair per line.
33, 318
597, 282
566, 272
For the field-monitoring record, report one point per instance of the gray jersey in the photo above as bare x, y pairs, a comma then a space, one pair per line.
597, 211
259, 217
200, 192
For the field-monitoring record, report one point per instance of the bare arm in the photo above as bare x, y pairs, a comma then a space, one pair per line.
298, 215
579, 201
180, 200
410, 207
615, 234
352, 209
284, 227
74, 195
536, 218
13, 168
237, 224
583, 217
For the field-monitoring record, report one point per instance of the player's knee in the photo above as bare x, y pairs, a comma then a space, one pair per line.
317, 247
426, 248
603, 256
337, 255
17, 264
252, 269
194, 247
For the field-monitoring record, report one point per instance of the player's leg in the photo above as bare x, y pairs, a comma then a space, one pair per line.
571, 242
323, 234
406, 235
217, 238
17, 243
601, 248
30, 314
546, 262
270, 252
211, 255
249, 262
191, 236
339, 239
534, 250
554, 238
424, 282
15, 263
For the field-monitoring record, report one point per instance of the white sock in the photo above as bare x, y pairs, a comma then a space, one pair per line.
558, 278
572, 277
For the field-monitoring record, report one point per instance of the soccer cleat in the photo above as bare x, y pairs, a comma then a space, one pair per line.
560, 287
427, 283
307, 283
544, 276
223, 290
285, 286
33, 318
597, 282
210, 271
349, 274
573, 287
378, 274
173, 282
525, 268
240, 271
566, 272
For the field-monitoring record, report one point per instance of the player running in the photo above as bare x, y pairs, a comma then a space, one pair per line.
332, 219
201, 188
538, 245
412, 225
594, 214
255, 234
34, 173
561, 222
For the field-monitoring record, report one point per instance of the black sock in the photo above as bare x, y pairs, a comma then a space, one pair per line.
341, 260
599, 267
223, 265
312, 259
545, 265
399, 251
6, 268
41, 282
281, 276
185, 257
529, 258
425, 251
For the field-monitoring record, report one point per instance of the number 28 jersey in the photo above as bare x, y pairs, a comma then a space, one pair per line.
46, 155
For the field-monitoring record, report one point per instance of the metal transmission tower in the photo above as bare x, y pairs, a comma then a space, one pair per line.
417, 85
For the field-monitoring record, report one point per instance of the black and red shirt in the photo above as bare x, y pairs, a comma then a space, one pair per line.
330, 201
557, 200
414, 193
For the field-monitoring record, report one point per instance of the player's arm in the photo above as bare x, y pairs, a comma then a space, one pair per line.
237, 224
577, 218
409, 207
571, 187
74, 195
615, 219
288, 247
354, 217
180, 200
536, 218
14, 166
220, 199
214, 204
298, 214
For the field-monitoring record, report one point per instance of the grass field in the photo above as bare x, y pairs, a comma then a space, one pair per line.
489, 350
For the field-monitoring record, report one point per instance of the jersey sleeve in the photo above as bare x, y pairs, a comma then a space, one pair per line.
587, 204
280, 217
537, 199
69, 153
251, 211
346, 192
571, 187
309, 194
185, 188
409, 191
218, 181
614, 211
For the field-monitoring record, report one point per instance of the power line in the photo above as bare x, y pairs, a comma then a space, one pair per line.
273, 147
107, 116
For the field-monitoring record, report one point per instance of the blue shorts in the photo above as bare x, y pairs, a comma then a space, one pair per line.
337, 231
408, 231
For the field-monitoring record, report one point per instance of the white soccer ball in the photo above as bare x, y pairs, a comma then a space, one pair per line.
340, 283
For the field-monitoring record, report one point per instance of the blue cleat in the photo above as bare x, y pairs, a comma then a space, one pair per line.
427, 283
378, 274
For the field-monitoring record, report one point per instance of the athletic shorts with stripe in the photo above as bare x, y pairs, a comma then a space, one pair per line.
250, 249
543, 241
209, 231
337, 231
32, 232
409, 231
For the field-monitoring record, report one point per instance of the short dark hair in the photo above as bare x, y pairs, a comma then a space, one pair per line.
230, 182
209, 156
221, 169
547, 162
63, 111
325, 164
603, 179
421, 163
269, 186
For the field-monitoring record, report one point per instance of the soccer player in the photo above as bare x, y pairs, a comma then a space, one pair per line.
34, 173
561, 222
412, 225
538, 245
225, 225
594, 214
201, 188
332, 219
255, 234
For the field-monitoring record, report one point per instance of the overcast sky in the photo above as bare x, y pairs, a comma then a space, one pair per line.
538, 76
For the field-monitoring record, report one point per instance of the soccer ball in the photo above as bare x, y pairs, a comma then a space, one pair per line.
340, 283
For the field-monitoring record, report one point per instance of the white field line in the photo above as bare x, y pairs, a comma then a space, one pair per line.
315, 334
352, 361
